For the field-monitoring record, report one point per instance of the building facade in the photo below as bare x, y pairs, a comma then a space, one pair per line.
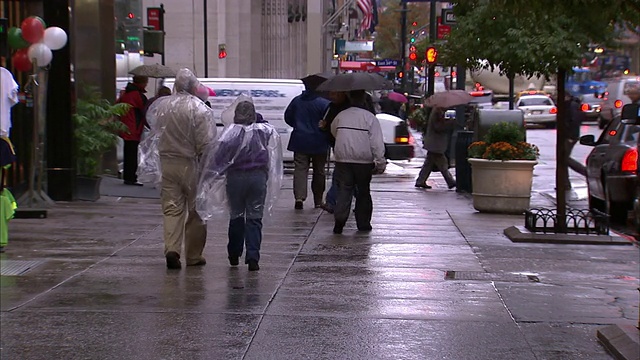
262, 38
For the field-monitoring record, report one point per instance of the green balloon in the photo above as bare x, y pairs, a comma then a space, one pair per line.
15, 40
44, 24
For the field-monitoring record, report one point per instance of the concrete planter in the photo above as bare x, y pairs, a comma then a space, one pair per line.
502, 186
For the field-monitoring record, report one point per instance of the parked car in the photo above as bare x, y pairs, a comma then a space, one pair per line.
615, 98
538, 110
398, 141
612, 165
590, 105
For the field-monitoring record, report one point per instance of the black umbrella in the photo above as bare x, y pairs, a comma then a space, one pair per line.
311, 82
356, 81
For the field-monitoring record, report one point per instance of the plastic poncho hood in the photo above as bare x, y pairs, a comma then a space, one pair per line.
182, 128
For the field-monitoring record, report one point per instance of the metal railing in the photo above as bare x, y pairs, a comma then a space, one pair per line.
577, 221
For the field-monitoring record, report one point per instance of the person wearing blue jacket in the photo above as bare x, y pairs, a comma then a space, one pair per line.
308, 143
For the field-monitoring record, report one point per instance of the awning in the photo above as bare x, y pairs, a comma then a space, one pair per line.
364, 66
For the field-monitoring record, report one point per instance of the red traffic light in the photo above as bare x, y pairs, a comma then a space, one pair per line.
412, 48
130, 15
413, 56
222, 51
415, 23
431, 55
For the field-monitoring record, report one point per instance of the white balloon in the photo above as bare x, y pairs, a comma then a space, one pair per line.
55, 38
41, 53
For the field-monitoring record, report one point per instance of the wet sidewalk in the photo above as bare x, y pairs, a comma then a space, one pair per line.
433, 280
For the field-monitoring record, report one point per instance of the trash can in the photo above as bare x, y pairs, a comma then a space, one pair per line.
463, 168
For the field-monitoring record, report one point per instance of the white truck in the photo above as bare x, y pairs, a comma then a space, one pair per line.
499, 84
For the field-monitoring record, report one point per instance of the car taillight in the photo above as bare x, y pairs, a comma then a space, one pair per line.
630, 160
584, 107
618, 104
402, 140
553, 110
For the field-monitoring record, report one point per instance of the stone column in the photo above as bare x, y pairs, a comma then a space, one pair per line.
60, 156
315, 37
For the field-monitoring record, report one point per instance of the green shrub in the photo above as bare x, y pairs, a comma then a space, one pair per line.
96, 130
508, 132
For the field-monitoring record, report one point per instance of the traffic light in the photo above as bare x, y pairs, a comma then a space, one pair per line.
222, 51
431, 55
412, 53
400, 75
413, 34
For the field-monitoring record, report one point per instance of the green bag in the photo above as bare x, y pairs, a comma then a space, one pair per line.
8, 207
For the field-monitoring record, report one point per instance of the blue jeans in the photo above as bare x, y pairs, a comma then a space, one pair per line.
246, 191
332, 194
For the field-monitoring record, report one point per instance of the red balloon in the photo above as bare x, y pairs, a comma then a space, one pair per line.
32, 29
20, 60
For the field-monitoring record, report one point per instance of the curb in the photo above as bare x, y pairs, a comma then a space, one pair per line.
520, 234
622, 341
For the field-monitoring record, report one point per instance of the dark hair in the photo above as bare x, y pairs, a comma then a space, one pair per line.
139, 79
164, 91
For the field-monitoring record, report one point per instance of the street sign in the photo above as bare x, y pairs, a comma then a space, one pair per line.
387, 62
155, 18
443, 30
448, 17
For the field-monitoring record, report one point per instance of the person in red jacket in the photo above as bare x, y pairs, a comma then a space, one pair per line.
135, 122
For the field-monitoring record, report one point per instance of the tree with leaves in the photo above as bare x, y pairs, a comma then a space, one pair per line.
536, 38
388, 31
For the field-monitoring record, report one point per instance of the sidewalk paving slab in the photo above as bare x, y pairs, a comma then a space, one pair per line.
103, 290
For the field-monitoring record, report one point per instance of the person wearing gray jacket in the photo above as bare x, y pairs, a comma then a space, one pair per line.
359, 153
436, 141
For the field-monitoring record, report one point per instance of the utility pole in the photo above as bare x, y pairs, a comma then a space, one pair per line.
206, 40
403, 40
433, 29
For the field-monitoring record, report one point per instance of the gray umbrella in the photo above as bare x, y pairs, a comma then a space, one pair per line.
355, 81
154, 71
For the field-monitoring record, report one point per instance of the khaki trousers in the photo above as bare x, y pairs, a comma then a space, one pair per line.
182, 224
301, 163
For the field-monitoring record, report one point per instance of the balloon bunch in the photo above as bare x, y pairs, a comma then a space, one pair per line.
33, 40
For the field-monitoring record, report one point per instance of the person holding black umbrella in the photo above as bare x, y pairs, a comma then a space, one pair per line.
308, 143
359, 153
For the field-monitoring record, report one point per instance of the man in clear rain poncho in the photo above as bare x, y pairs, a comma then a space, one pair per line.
242, 175
183, 128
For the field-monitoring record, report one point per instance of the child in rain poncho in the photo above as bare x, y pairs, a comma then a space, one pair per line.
243, 172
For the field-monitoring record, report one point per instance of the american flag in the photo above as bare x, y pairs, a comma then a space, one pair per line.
366, 6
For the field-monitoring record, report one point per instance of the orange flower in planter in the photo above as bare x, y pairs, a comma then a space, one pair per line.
504, 141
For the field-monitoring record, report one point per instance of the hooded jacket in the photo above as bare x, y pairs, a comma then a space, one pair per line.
303, 114
134, 119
